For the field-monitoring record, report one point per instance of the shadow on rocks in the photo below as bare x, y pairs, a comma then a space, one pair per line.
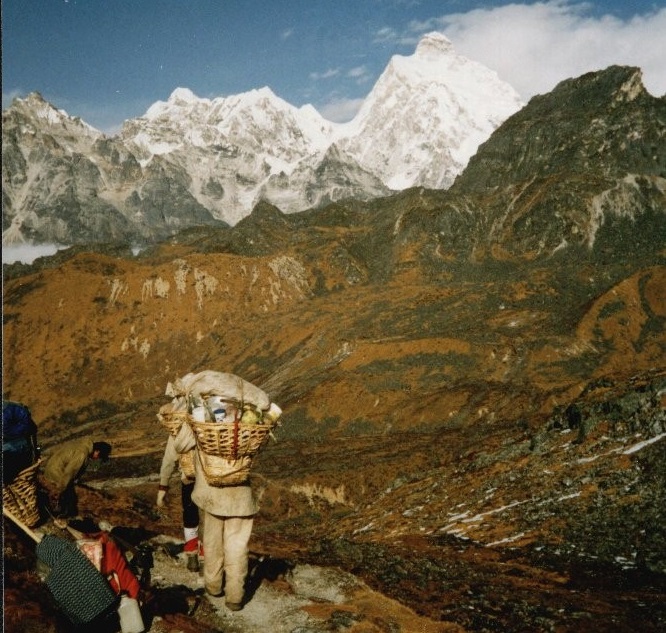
265, 568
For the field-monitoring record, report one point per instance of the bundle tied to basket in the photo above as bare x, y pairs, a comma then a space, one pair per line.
226, 450
20, 496
172, 421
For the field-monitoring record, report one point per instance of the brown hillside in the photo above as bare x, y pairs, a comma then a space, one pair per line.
425, 445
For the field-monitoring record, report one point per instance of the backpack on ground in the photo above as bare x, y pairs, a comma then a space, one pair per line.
19, 439
17, 421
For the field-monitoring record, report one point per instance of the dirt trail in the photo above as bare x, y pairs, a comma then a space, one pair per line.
304, 598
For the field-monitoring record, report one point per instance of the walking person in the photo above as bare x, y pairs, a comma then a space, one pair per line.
228, 517
172, 460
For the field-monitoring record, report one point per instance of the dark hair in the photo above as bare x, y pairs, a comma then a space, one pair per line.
104, 449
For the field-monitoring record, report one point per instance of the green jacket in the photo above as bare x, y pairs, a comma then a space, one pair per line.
66, 462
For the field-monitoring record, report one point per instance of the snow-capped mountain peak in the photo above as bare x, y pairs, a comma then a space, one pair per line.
40, 110
423, 119
180, 100
433, 45
426, 116
183, 95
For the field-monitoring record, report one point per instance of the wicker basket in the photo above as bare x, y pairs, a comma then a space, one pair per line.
172, 421
226, 451
186, 463
20, 497
220, 471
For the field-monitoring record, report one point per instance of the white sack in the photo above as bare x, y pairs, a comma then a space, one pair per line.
215, 383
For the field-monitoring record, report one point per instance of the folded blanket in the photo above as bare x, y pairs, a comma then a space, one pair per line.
79, 589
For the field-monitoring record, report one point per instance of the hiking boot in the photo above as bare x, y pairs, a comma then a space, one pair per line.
192, 562
233, 606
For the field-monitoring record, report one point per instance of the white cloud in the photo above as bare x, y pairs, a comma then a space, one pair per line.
331, 72
359, 71
28, 253
359, 74
534, 47
8, 97
386, 35
340, 110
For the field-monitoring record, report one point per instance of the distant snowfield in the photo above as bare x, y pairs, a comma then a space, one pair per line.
28, 253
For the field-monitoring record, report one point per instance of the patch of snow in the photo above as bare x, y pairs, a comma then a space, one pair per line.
625, 563
637, 447
477, 518
573, 495
587, 460
412, 511
457, 517
482, 515
508, 539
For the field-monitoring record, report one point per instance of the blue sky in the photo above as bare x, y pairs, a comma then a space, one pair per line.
109, 60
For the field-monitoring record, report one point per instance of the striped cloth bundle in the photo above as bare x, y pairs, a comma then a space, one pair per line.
79, 589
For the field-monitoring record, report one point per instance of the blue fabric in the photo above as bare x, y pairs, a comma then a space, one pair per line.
18, 445
16, 421
19, 440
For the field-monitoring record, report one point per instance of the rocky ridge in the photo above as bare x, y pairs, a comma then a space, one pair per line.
191, 161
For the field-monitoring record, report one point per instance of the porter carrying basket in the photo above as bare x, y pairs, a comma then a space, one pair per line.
172, 421
20, 496
226, 450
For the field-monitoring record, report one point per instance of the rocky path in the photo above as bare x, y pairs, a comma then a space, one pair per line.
304, 598
282, 596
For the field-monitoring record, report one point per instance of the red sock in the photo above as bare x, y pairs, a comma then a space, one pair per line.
191, 546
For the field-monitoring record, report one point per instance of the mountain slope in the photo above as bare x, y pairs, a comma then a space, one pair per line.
426, 116
406, 262
581, 167
191, 161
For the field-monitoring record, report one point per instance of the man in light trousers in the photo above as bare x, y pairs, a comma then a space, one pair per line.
228, 516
